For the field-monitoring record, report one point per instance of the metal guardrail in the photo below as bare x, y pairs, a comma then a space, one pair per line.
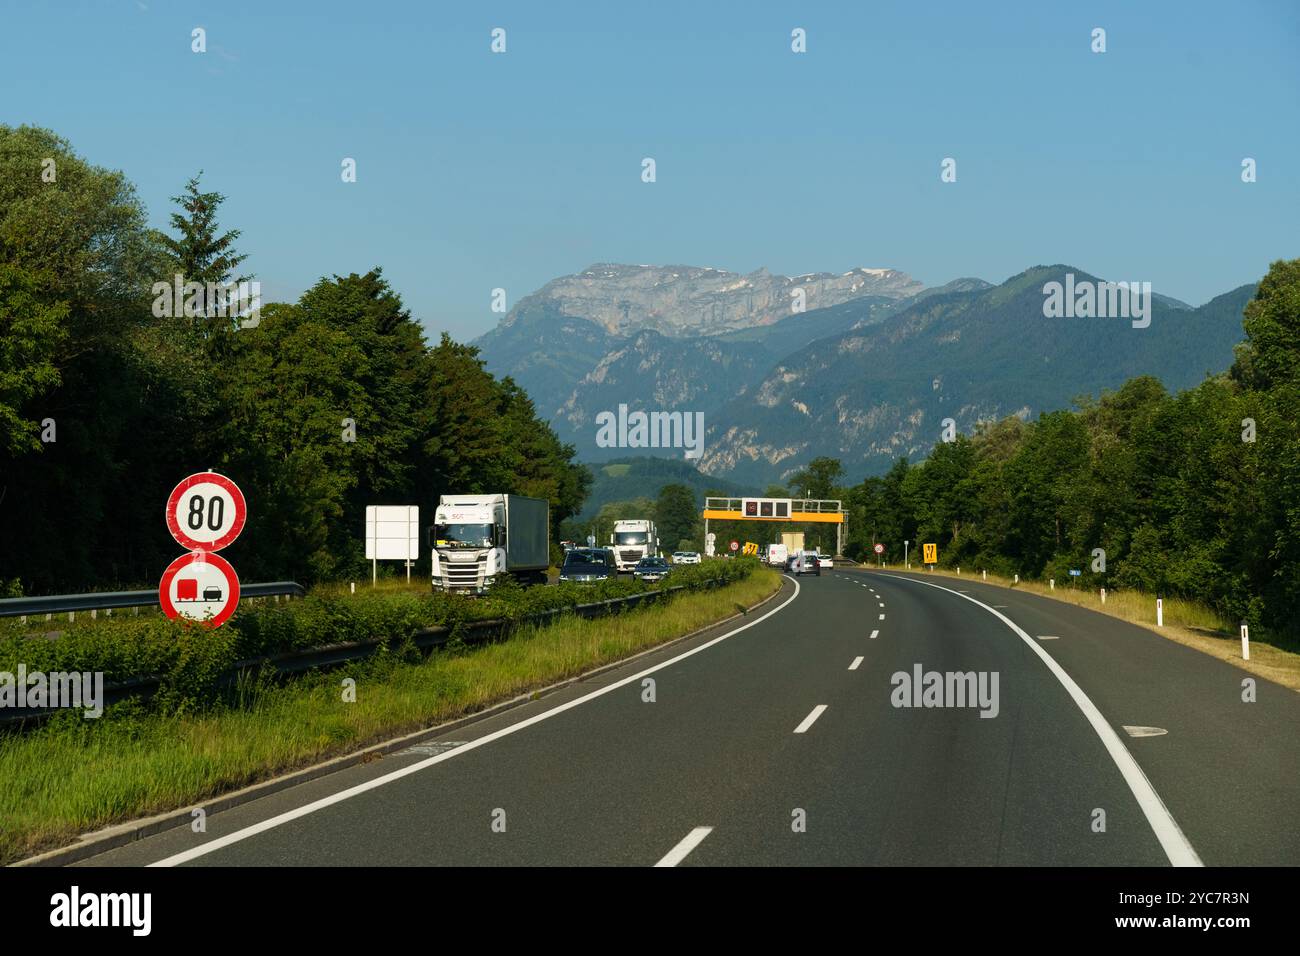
110, 600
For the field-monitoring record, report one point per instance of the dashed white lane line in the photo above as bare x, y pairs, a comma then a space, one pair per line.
683, 849
1173, 841
316, 805
874, 635
1049, 637
882, 617
856, 662
810, 719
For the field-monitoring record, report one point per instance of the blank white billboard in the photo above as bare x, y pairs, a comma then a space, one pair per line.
393, 532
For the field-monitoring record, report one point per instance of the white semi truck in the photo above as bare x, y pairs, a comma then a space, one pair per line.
477, 538
633, 539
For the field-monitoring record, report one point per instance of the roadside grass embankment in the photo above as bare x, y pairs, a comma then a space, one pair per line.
72, 775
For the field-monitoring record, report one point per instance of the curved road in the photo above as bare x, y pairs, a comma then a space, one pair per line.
775, 741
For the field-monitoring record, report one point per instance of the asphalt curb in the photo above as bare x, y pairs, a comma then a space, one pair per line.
122, 834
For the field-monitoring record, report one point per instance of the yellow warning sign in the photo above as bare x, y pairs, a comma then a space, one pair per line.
751, 548
931, 553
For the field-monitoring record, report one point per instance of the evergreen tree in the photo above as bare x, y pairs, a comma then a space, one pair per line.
677, 516
200, 252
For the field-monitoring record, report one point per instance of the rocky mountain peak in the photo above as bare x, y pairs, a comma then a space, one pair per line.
679, 300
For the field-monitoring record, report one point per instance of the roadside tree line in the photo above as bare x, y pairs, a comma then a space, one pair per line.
331, 403
1195, 494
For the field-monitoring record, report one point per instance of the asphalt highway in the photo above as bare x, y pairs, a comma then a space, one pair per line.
776, 740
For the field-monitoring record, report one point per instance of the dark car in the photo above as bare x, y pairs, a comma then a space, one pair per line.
651, 569
588, 564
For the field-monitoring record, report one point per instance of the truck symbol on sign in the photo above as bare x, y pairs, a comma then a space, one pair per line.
187, 589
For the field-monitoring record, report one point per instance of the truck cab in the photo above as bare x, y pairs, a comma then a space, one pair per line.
632, 540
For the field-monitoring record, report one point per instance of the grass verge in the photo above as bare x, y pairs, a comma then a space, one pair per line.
74, 775
1186, 622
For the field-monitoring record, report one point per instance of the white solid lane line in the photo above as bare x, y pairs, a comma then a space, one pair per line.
1173, 841
874, 635
856, 662
689, 843
810, 719
321, 804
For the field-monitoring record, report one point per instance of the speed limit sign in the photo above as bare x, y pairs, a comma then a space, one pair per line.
206, 512
879, 549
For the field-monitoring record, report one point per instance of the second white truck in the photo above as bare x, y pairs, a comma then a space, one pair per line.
632, 540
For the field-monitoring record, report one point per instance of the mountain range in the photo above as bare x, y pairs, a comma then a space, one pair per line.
867, 373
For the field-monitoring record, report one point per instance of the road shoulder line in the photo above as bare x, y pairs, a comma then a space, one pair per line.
1173, 841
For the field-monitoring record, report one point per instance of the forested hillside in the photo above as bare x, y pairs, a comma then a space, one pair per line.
1193, 494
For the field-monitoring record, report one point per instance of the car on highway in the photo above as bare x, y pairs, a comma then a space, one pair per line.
587, 565
686, 557
806, 564
825, 561
651, 569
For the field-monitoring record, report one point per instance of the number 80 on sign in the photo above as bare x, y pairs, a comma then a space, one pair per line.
206, 512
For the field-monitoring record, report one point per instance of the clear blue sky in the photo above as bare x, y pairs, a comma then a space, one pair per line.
478, 170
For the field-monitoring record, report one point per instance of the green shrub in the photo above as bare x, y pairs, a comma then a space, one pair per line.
190, 660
